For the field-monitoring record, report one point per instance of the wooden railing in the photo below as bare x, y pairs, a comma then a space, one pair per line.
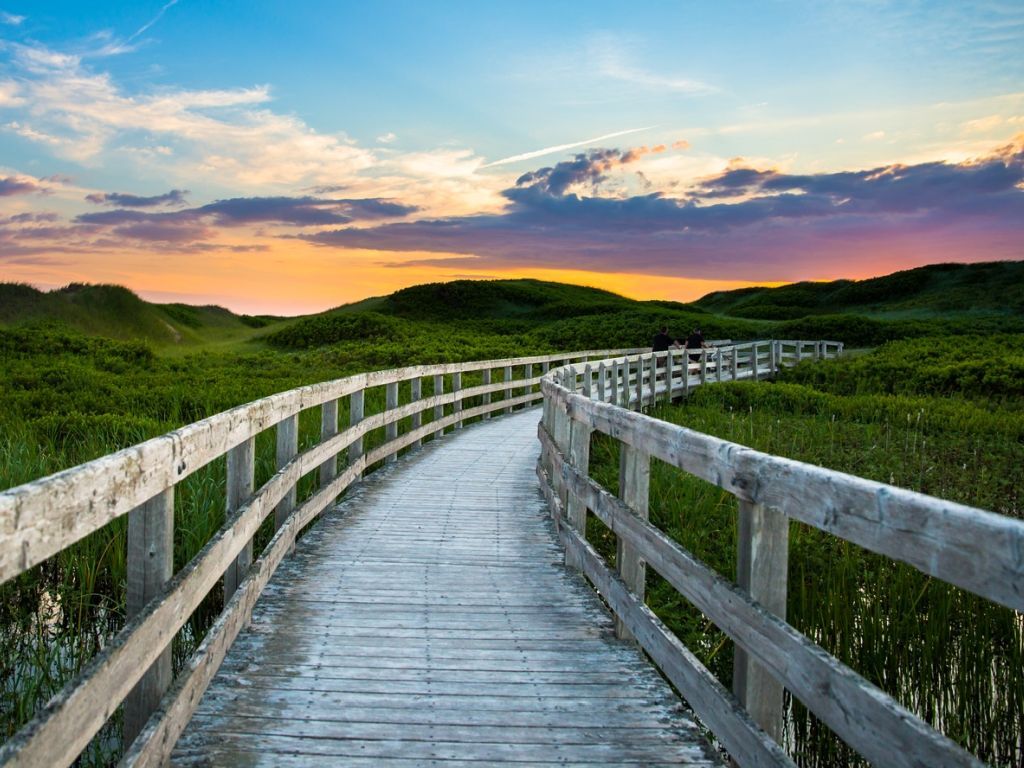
42, 518
977, 550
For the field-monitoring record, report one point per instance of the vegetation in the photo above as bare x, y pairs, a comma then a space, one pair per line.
917, 414
90, 369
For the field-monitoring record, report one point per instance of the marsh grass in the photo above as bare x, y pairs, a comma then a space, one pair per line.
953, 658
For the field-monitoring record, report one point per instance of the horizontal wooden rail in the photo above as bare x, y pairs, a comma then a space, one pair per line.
43, 517
972, 548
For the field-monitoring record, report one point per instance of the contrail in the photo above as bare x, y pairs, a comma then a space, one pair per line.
563, 147
153, 21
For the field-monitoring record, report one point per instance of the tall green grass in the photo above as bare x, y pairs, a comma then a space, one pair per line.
955, 659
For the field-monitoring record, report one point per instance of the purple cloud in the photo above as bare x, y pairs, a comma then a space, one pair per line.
783, 226
174, 197
13, 185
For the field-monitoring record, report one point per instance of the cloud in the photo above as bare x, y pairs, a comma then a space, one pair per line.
174, 197
228, 136
18, 185
387, 138
769, 224
11, 19
200, 223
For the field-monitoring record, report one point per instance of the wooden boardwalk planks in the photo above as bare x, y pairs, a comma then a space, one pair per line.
429, 619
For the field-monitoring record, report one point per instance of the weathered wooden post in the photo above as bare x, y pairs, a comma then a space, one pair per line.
602, 374
508, 387
753, 359
634, 490
287, 449
588, 378
762, 567
669, 375
456, 387
773, 357
241, 472
328, 429
734, 356
528, 374
487, 395
439, 408
652, 375
839, 349
579, 457
150, 566
391, 428
686, 375
355, 415
415, 394
639, 384
614, 383
703, 366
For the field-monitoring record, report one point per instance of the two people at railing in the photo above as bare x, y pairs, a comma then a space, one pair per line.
662, 342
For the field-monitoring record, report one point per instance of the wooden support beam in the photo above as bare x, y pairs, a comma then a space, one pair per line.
588, 379
287, 449
579, 457
391, 429
241, 473
328, 429
487, 395
508, 389
634, 490
416, 393
456, 387
439, 409
150, 566
762, 567
356, 404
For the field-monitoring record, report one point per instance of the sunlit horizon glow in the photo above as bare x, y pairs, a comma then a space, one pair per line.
155, 145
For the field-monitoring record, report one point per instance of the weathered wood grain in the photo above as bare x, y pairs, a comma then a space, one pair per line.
241, 469
287, 449
974, 549
862, 715
150, 565
483, 628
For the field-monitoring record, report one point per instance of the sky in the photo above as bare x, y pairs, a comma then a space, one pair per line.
287, 157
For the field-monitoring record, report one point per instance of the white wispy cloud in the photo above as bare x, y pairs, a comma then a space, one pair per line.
10, 18
563, 147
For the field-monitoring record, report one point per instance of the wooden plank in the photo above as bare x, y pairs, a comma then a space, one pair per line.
762, 570
865, 717
634, 489
286, 450
747, 744
508, 388
240, 481
487, 395
438, 389
579, 453
456, 387
415, 395
971, 548
447, 680
328, 429
356, 404
150, 565
391, 428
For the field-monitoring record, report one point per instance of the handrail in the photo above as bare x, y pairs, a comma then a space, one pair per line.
972, 548
45, 516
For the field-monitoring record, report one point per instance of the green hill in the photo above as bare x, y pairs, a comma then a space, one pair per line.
990, 288
116, 312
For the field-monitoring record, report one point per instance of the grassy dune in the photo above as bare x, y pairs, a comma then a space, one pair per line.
90, 369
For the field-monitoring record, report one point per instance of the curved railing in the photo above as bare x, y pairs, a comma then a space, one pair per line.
44, 517
977, 550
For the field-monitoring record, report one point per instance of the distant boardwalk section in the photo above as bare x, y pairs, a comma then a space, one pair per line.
429, 618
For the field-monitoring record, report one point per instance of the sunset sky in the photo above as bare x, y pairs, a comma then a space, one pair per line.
288, 157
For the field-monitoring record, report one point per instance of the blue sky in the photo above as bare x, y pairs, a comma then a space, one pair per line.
420, 103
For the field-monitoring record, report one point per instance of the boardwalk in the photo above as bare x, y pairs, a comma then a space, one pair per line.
429, 619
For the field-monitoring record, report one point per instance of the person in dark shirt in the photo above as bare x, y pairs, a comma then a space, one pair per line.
662, 341
695, 341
